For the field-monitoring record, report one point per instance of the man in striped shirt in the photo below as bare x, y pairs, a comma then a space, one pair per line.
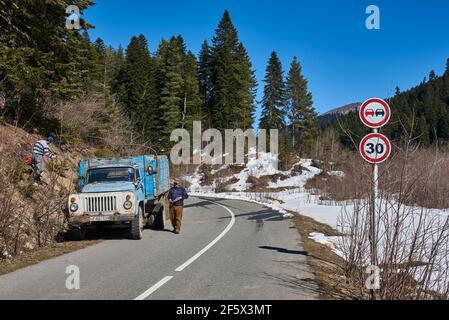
40, 150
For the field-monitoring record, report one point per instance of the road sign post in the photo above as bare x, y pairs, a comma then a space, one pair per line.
375, 148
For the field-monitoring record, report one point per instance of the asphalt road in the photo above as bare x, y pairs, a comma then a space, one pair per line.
227, 249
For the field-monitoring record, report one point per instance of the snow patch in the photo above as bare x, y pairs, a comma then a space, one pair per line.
331, 242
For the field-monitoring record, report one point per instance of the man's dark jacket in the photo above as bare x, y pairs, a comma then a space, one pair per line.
176, 192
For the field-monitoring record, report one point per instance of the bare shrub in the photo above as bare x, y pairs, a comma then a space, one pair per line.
30, 216
353, 184
222, 185
90, 120
261, 184
412, 241
425, 178
412, 250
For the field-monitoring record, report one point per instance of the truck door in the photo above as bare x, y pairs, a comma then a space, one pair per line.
150, 178
81, 181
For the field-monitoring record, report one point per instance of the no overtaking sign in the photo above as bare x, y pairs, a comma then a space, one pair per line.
375, 113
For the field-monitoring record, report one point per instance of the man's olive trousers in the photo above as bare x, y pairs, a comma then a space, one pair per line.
176, 217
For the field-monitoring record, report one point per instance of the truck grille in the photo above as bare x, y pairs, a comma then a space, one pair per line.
101, 204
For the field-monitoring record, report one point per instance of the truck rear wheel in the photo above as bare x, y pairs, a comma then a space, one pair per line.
163, 215
137, 225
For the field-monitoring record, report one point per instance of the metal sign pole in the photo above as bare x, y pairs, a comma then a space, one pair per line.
375, 192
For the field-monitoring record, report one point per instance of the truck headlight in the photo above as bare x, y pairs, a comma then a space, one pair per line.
127, 205
73, 207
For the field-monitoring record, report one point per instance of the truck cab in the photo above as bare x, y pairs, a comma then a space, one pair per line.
120, 193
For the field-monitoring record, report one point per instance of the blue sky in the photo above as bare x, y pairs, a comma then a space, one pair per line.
343, 61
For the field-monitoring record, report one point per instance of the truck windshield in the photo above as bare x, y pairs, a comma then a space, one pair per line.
111, 175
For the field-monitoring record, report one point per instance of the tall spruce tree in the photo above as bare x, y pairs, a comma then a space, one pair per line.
170, 83
301, 112
274, 100
204, 78
246, 90
432, 75
192, 104
138, 84
231, 78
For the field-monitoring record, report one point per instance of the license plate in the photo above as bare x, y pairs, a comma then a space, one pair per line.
100, 218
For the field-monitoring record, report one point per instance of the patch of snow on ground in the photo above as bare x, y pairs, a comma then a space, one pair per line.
340, 174
265, 164
331, 242
297, 180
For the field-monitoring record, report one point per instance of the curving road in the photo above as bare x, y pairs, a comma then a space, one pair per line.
228, 249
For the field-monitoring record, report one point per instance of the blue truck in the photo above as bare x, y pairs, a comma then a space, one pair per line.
120, 193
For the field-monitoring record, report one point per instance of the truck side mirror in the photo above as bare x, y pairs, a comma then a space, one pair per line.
151, 170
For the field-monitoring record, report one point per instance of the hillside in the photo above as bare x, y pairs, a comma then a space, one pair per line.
30, 215
327, 117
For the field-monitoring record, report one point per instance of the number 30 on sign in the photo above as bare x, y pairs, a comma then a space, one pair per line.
375, 148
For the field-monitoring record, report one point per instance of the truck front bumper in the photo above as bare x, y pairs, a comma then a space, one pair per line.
93, 218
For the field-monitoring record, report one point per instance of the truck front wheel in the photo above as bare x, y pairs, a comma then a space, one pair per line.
137, 225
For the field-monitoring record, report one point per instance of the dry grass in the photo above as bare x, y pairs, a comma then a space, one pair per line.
261, 184
41, 254
222, 185
327, 266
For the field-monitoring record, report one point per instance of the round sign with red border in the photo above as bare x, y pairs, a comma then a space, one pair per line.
375, 113
375, 148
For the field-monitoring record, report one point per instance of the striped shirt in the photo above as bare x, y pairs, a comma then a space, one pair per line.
41, 148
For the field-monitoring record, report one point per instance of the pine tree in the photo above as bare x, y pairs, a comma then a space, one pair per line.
192, 106
170, 85
100, 46
204, 78
224, 45
301, 112
246, 90
432, 75
274, 99
232, 79
138, 83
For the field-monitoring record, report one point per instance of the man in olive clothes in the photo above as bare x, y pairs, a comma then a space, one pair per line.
176, 196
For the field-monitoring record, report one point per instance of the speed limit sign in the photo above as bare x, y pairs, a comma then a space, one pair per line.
375, 148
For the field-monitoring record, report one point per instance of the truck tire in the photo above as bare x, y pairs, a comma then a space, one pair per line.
137, 225
162, 216
150, 221
76, 234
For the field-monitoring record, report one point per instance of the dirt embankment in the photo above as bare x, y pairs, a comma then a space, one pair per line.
31, 215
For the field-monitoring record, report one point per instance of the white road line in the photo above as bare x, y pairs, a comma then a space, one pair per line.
196, 256
154, 288
221, 235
